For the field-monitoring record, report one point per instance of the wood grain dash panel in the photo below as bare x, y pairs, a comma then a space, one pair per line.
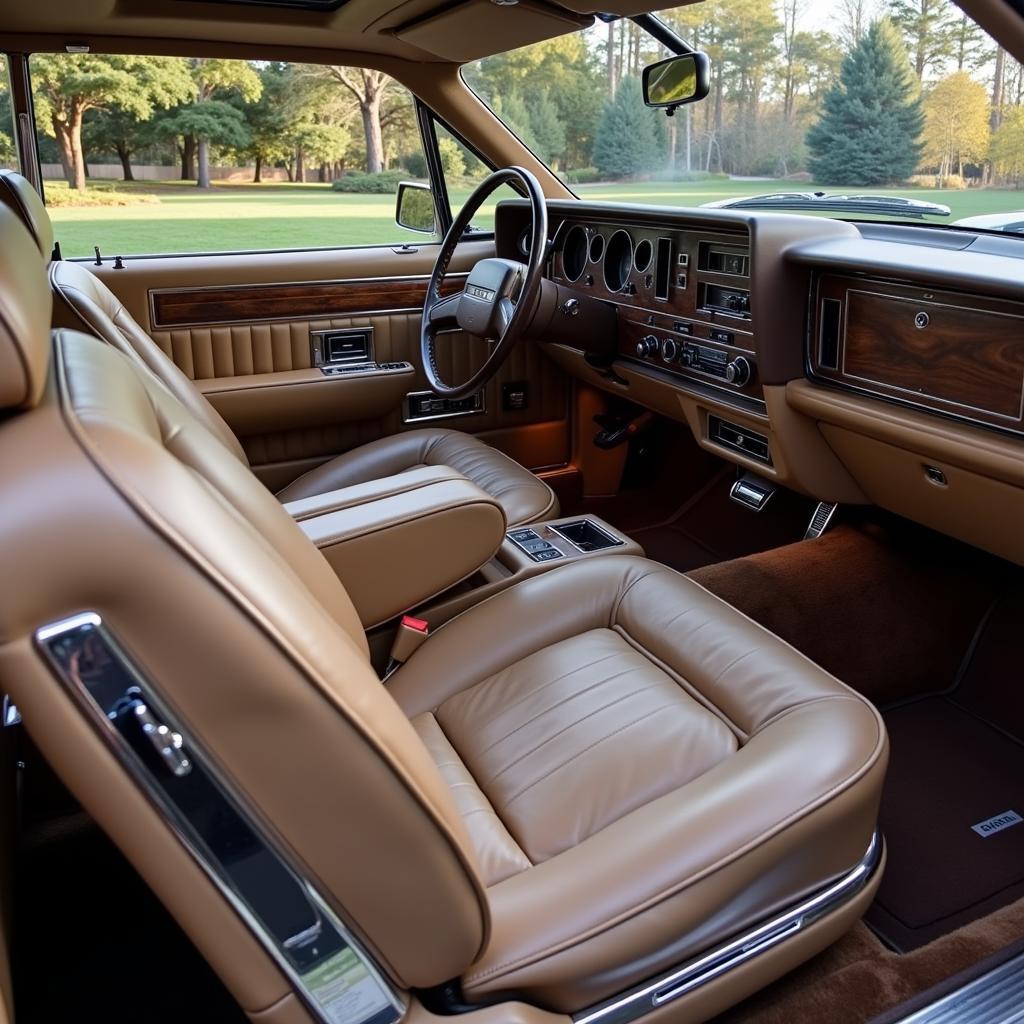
195, 307
956, 353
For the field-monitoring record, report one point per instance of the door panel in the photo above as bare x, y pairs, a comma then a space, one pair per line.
239, 325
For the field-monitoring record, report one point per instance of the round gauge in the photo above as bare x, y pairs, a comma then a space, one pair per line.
525, 241
643, 256
574, 253
618, 260
596, 248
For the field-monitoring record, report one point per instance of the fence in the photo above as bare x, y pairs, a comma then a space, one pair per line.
156, 172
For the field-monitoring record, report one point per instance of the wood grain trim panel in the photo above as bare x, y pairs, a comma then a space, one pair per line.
305, 300
945, 351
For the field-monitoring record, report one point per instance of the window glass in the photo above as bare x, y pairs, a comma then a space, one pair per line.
8, 153
168, 154
905, 100
463, 171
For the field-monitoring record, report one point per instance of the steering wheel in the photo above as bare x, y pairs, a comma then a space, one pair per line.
498, 300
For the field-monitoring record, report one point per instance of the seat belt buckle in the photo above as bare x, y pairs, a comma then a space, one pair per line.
411, 634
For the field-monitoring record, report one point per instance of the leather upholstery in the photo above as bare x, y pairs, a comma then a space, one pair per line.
85, 302
523, 496
589, 777
17, 193
433, 522
648, 770
24, 318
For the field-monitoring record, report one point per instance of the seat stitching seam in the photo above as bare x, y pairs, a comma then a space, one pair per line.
540, 689
571, 725
565, 700
596, 743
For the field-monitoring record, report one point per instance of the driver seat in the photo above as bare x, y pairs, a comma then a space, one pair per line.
83, 299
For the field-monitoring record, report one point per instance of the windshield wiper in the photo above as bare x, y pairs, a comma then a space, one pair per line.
804, 201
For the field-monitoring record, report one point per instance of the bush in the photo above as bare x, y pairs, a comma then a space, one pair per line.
453, 158
415, 163
582, 175
383, 183
689, 176
105, 193
934, 181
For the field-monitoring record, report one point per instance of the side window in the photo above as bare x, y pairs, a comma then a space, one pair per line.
178, 155
463, 171
8, 152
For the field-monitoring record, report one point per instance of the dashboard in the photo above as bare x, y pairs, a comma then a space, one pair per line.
857, 363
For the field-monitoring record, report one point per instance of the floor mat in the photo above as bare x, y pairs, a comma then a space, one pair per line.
950, 773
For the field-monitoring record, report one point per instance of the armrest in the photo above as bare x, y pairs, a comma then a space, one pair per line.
399, 541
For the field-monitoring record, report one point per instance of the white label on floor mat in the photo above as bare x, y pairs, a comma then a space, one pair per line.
992, 825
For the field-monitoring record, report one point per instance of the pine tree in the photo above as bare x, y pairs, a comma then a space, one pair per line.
872, 119
548, 130
627, 140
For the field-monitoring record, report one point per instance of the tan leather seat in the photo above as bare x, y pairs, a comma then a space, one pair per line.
571, 787
84, 301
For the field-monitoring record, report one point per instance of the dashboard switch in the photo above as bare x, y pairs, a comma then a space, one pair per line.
647, 346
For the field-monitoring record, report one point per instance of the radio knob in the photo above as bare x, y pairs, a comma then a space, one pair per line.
669, 350
686, 357
647, 346
738, 371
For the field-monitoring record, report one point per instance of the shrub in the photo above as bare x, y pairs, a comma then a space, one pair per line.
415, 163
453, 158
582, 175
382, 183
935, 181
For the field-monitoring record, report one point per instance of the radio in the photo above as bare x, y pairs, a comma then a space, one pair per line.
717, 363
713, 361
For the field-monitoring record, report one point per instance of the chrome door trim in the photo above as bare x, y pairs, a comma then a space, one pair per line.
83, 640
666, 988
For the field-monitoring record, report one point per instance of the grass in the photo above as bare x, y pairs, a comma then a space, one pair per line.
283, 216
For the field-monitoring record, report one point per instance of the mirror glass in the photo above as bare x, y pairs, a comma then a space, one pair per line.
677, 80
415, 207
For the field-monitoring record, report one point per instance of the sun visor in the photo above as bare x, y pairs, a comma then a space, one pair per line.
479, 28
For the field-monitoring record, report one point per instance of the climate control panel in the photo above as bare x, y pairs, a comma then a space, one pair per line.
721, 363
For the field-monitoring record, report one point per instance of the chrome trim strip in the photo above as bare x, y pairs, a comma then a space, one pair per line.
280, 908
705, 968
995, 998
311, 317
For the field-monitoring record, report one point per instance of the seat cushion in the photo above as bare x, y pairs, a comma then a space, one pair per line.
524, 497
643, 772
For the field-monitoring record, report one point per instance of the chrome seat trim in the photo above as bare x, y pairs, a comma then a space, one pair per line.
329, 970
652, 995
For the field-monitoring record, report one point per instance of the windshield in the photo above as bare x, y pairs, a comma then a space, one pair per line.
906, 100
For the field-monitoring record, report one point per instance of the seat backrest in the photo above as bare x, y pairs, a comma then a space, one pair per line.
115, 499
83, 302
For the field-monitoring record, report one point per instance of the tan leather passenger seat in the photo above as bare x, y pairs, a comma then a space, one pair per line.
84, 301
577, 784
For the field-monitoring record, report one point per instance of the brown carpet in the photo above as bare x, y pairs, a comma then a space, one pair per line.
948, 770
858, 979
890, 613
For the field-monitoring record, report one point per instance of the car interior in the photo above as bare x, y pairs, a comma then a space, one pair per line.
608, 617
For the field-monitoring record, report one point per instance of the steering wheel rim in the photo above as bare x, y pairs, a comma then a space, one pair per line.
513, 314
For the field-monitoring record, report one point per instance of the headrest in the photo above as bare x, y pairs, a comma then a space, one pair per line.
24, 200
25, 308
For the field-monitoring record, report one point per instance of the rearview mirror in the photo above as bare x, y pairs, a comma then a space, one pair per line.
414, 207
670, 83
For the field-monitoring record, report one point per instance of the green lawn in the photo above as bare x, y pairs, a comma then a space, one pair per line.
273, 216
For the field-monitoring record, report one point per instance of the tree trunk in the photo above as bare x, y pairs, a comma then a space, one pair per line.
611, 58
203, 162
126, 162
77, 155
257, 174
370, 110
300, 164
188, 157
62, 133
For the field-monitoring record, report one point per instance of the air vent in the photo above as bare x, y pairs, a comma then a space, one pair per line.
749, 442
828, 342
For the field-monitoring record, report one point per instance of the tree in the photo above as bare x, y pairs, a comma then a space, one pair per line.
368, 87
1007, 149
929, 28
116, 131
67, 86
852, 16
956, 127
626, 142
513, 111
970, 45
266, 120
871, 122
547, 128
